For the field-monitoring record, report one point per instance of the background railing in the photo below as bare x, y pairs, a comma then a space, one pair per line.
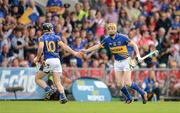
168, 80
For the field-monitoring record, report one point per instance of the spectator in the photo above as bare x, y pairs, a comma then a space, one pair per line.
133, 36
80, 14
21, 7
84, 72
91, 20
15, 63
95, 63
77, 46
31, 42
59, 30
103, 58
100, 5
48, 17
151, 23
14, 2
30, 59
123, 17
18, 43
95, 72
125, 28
23, 63
73, 36
145, 39
152, 61
151, 86
83, 35
175, 29
1, 40
111, 16
164, 22
74, 69
15, 11
165, 50
153, 39
36, 9
55, 20
5, 54
8, 26
118, 6
140, 21
39, 22
164, 5
86, 7
133, 13
66, 78
5, 7
73, 19
176, 23
100, 24
91, 38
137, 5
174, 58
150, 6
68, 25
161, 35
156, 16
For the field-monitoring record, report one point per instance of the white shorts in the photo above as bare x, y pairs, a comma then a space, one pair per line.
122, 65
52, 65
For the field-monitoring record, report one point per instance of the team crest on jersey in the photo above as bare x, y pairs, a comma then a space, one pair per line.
114, 44
119, 42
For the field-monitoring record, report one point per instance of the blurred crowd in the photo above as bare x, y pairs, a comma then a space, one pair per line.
152, 24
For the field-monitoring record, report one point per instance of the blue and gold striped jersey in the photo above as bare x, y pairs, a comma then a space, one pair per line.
118, 46
51, 45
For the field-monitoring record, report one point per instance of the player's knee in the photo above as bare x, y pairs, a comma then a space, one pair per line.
36, 79
57, 82
128, 83
120, 85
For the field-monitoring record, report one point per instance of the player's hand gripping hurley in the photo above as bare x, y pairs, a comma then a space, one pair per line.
134, 62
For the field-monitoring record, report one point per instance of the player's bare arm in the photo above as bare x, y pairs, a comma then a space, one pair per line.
68, 49
93, 48
39, 53
134, 45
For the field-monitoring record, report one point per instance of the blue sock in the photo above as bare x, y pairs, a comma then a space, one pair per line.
61, 96
47, 89
137, 88
125, 92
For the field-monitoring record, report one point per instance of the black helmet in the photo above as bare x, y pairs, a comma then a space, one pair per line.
47, 27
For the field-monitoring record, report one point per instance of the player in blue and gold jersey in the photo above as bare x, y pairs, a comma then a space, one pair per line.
118, 45
49, 45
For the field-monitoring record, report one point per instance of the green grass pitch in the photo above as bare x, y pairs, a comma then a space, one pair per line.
87, 107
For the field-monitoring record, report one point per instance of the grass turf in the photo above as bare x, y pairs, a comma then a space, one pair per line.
87, 107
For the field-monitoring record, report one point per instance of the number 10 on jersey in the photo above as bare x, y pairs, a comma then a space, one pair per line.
51, 47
